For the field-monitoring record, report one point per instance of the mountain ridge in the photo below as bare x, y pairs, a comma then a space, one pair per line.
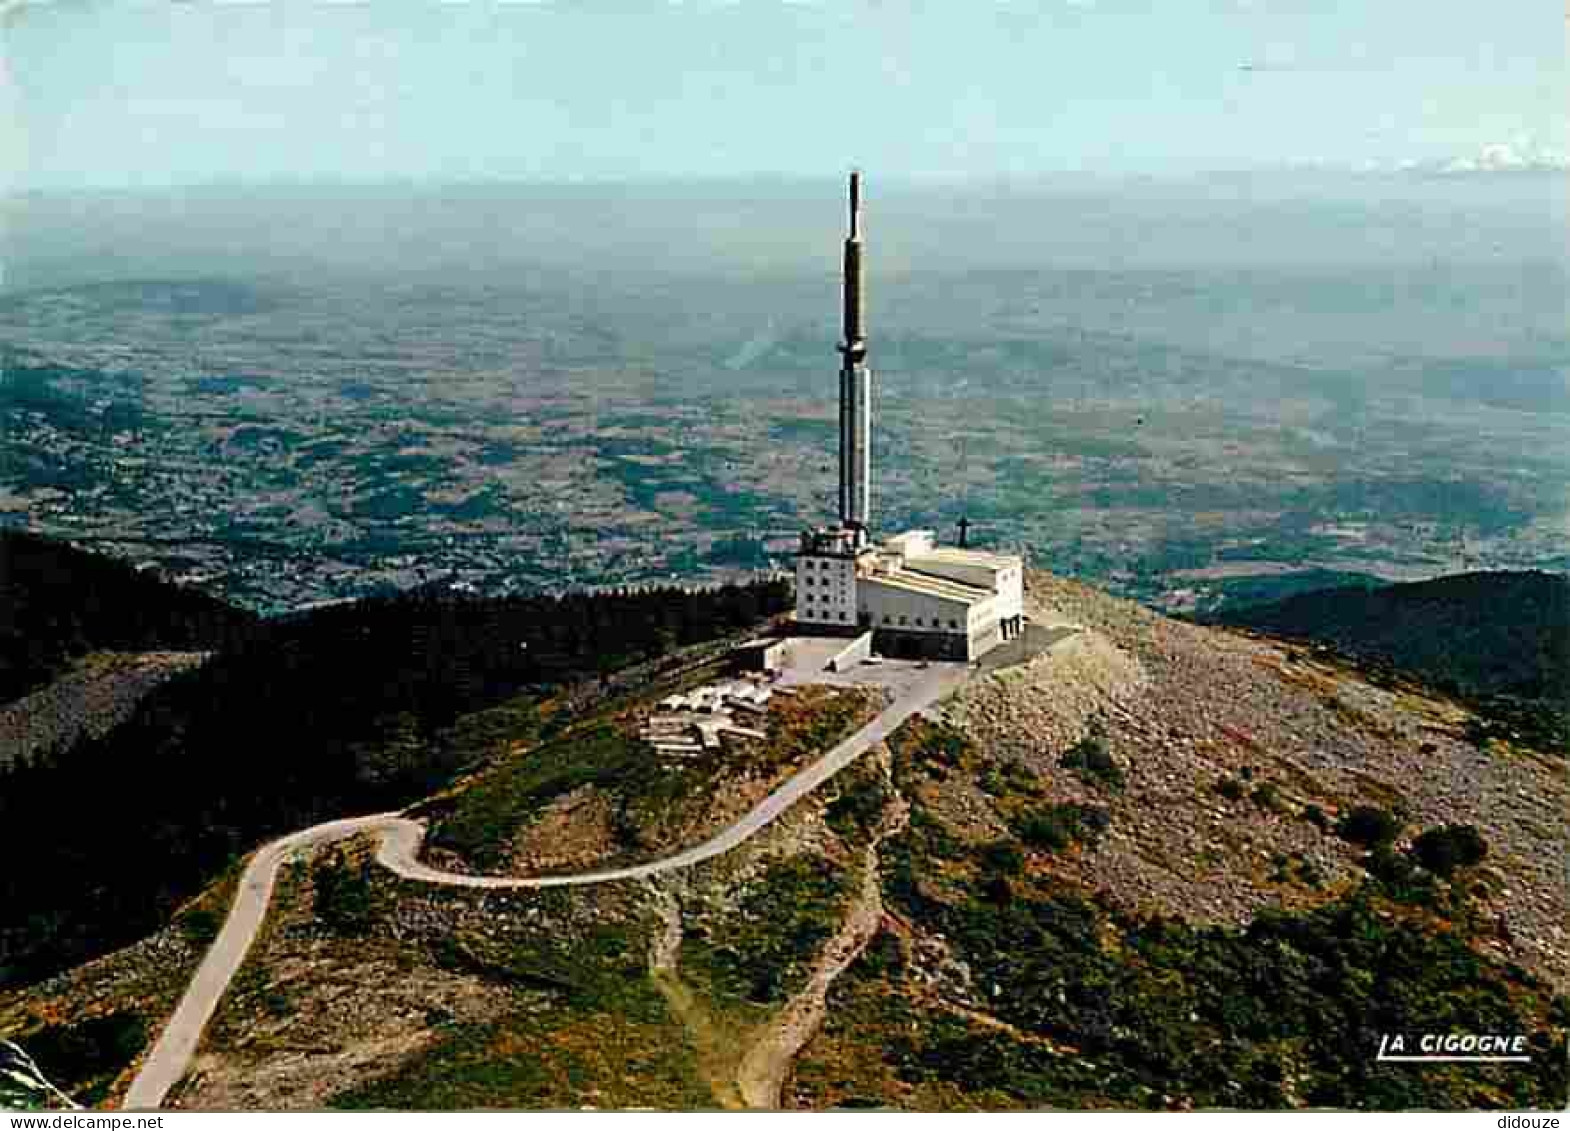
1516, 627
1498, 640
1162, 865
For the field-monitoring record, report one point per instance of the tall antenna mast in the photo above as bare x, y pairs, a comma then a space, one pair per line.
960, 443
855, 386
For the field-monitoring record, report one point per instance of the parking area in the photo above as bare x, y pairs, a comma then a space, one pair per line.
807, 657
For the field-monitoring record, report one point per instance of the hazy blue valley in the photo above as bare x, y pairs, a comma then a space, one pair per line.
1225, 388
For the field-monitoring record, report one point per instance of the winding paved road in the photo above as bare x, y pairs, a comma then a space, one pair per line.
399, 851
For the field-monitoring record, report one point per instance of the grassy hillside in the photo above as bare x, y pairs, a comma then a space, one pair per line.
58, 602
526, 808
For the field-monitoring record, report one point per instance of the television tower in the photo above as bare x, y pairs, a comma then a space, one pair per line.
855, 388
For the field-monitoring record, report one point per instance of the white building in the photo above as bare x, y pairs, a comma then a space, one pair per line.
940, 602
826, 579
918, 598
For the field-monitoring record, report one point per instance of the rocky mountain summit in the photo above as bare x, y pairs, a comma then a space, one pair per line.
1154, 865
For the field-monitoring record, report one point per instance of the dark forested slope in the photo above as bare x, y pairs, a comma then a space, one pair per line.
344, 709
58, 602
1500, 640
1473, 634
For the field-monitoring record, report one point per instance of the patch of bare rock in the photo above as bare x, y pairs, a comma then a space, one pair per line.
1184, 707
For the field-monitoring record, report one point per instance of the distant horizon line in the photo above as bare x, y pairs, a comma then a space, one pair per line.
834, 177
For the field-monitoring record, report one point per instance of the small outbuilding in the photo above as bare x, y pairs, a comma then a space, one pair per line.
765, 655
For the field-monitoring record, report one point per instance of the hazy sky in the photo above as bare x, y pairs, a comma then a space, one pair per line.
151, 92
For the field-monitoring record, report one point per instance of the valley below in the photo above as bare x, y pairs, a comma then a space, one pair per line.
282, 441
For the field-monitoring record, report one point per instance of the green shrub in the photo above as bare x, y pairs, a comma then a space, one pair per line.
1267, 796
1003, 857
1044, 831
1544, 725
1296, 868
1309, 872
1056, 827
1444, 849
345, 903
200, 925
997, 890
1231, 789
1092, 759
1021, 779
761, 952
941, 744
1368, 825
858, 806
993, 781
1282, 1011
1316, 816
1399, 876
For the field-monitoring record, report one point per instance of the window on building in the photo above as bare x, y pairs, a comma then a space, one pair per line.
902, 620
953, 624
